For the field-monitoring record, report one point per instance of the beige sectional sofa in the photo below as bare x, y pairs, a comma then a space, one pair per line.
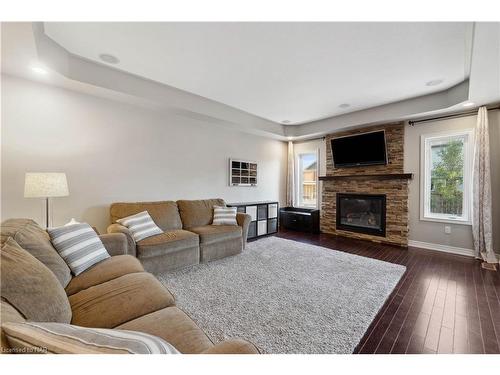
116, 293
188, 238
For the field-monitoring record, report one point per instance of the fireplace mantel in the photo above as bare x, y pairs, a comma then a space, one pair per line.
384, 176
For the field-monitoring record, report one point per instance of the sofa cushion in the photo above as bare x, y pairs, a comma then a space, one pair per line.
36, 241
106, 270
165, 214
8, 314
79, 246
174, 326
168, 242
31, 287
119, 300
62, 338
172, 261
196, 213
218, 250
216, 233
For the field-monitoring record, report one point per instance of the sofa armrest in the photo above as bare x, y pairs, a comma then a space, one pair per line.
243, 221
115, 243
233, 346
117, 228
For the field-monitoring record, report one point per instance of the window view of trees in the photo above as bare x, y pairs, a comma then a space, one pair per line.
447, 178
308, 175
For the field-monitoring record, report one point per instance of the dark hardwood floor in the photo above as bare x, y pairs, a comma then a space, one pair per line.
444, 303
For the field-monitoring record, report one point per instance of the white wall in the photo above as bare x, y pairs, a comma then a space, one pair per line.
116, 152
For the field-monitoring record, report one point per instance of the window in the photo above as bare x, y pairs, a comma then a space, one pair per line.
446, 177
308, 180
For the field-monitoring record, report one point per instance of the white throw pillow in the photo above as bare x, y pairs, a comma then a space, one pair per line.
224, 215
63, 338
141, 225
79, 246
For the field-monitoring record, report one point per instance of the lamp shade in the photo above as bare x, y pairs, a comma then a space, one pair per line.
45, 185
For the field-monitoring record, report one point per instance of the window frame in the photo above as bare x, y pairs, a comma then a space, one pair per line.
298, 189
426, 141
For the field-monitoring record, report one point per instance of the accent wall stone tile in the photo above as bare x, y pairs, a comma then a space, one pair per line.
396, 190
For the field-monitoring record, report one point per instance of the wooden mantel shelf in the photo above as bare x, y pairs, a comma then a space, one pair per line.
385, 176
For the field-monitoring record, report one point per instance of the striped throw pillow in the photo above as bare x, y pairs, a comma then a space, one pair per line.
60, 338
140, 225
224, 216
79, 246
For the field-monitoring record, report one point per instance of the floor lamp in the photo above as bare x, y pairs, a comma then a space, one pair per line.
45, 185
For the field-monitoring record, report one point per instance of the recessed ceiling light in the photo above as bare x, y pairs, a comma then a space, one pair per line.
39, 70
110, 59
468, 104
344, 105
285, 121
434, 82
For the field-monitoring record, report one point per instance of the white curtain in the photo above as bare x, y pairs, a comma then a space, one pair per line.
290, 177
481, 218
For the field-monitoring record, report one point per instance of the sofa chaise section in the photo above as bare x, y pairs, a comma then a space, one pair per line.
115, 293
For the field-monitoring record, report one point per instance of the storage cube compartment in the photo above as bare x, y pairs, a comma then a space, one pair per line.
262, 212
272, 225
261, 227
252, 229
252, 211
272, 210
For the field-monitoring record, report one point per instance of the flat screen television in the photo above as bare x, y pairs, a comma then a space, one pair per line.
360, 149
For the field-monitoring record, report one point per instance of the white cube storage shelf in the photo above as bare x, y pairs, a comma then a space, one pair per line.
264, 217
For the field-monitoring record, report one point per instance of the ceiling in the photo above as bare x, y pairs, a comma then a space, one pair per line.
300, 72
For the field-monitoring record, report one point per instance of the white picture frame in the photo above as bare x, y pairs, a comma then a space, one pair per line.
243, 172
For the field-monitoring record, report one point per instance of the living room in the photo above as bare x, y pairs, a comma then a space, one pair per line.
250, 187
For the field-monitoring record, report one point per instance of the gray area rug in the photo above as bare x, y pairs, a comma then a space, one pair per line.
286, 296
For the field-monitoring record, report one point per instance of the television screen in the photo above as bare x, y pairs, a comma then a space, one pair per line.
360, 149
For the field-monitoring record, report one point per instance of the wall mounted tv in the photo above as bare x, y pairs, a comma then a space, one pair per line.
360, 149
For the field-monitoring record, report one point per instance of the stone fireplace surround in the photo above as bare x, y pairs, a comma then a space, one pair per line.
389, 180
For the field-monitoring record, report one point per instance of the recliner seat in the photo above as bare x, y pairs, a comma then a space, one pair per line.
189, 236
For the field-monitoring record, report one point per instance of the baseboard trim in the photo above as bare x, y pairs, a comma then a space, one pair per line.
442, 248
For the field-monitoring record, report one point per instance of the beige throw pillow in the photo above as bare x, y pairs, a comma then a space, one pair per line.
36, 241
31, 287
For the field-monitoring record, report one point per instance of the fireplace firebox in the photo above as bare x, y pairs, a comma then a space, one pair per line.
362, 213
